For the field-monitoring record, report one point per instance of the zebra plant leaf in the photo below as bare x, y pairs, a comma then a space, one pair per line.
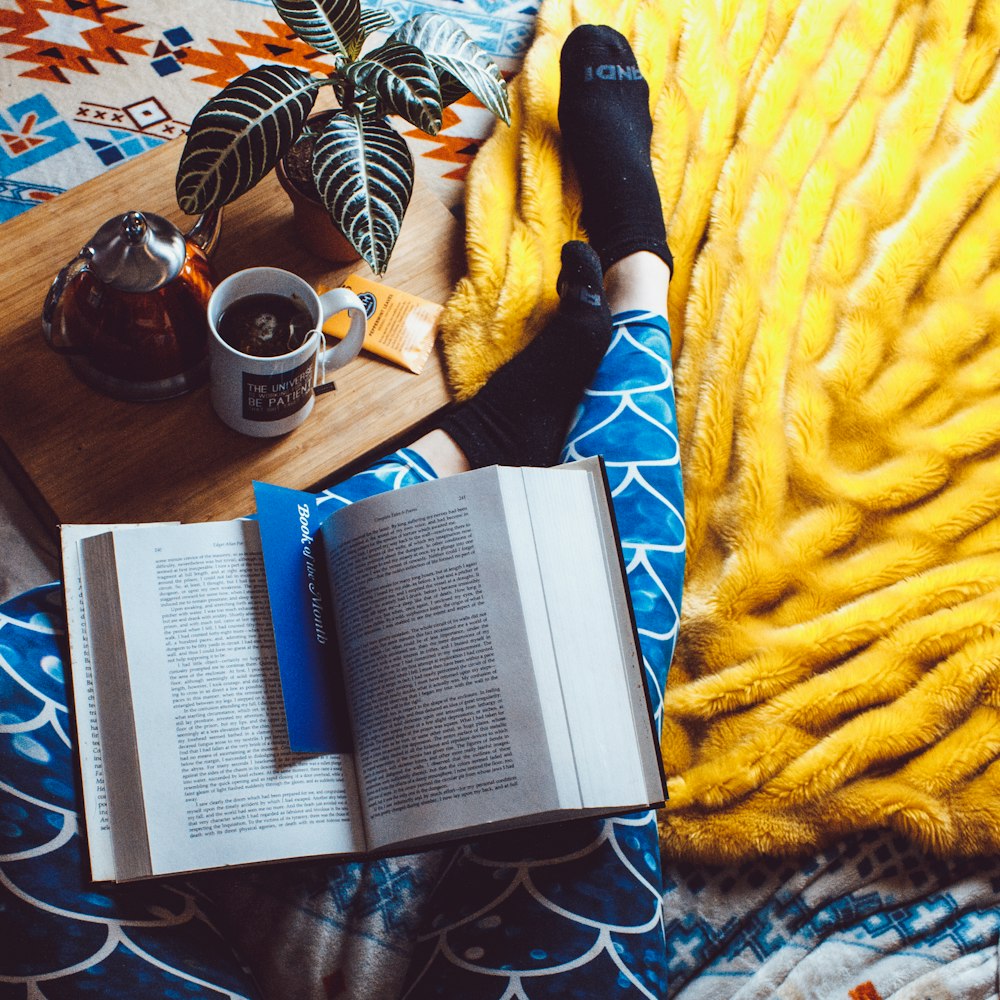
402, 78
328, 25
459, 62
241, 133
364, 174
372, 20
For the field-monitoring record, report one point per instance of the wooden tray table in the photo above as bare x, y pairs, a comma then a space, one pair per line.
80, 456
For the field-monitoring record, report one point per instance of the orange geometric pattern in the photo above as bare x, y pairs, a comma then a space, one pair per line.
57, 36
233, 58
22, 140
866, 991
455, 149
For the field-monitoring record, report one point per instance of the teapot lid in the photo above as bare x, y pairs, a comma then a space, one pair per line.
137, 252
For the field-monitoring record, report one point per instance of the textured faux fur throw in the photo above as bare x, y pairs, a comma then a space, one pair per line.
829, 173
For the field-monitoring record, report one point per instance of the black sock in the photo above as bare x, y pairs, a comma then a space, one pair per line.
606, 129
521, 415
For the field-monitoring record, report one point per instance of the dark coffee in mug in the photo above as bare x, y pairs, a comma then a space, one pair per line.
265, 325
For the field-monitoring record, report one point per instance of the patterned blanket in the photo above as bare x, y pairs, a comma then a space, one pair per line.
829, 171
86, 86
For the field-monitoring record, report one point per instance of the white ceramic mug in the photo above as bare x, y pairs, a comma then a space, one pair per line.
268, 396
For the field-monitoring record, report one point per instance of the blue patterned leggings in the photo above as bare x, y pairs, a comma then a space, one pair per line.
573, 910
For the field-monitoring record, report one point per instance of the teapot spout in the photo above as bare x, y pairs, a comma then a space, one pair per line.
206, 231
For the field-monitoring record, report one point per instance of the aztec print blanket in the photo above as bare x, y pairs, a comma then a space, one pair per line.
86, 86
829, 173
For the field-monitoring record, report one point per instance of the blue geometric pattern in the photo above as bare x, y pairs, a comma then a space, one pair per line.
167, 55
870, 910
116, 146
32, 131
17, 197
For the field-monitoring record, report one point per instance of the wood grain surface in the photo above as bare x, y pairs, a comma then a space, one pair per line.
83, 457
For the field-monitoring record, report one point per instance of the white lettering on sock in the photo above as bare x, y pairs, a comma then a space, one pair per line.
609, 71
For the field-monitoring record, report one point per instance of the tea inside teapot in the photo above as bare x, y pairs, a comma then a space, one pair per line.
129, 310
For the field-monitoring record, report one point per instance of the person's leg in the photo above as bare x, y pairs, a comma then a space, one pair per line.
521, 415
575, 910
628, 415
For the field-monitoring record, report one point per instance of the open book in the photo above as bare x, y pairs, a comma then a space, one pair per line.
485, 654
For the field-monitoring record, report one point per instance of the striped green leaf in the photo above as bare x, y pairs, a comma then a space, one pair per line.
403, 81
461, 65
364, 174
374, 19
328, 25
241, 133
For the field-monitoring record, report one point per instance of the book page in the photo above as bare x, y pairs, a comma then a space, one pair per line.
595, 650
88, 734
647, 733
446, 714
220, 785
113, 696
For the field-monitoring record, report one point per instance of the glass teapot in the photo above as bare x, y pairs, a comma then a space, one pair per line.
129, 311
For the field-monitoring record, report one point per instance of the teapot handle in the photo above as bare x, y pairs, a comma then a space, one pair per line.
57, 339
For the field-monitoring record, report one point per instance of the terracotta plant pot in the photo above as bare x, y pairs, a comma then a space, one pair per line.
314, 226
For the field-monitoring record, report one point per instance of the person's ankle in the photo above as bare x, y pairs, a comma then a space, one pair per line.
442, 453
638, 281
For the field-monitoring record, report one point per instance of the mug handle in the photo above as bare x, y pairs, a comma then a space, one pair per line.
333, 301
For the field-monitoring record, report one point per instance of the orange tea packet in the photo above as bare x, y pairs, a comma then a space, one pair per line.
401, 326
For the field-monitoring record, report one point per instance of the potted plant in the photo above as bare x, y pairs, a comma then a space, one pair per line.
361, 168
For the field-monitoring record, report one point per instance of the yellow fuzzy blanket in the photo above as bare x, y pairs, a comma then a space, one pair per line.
829, 173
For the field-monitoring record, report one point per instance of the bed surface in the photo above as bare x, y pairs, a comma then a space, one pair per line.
870, 918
